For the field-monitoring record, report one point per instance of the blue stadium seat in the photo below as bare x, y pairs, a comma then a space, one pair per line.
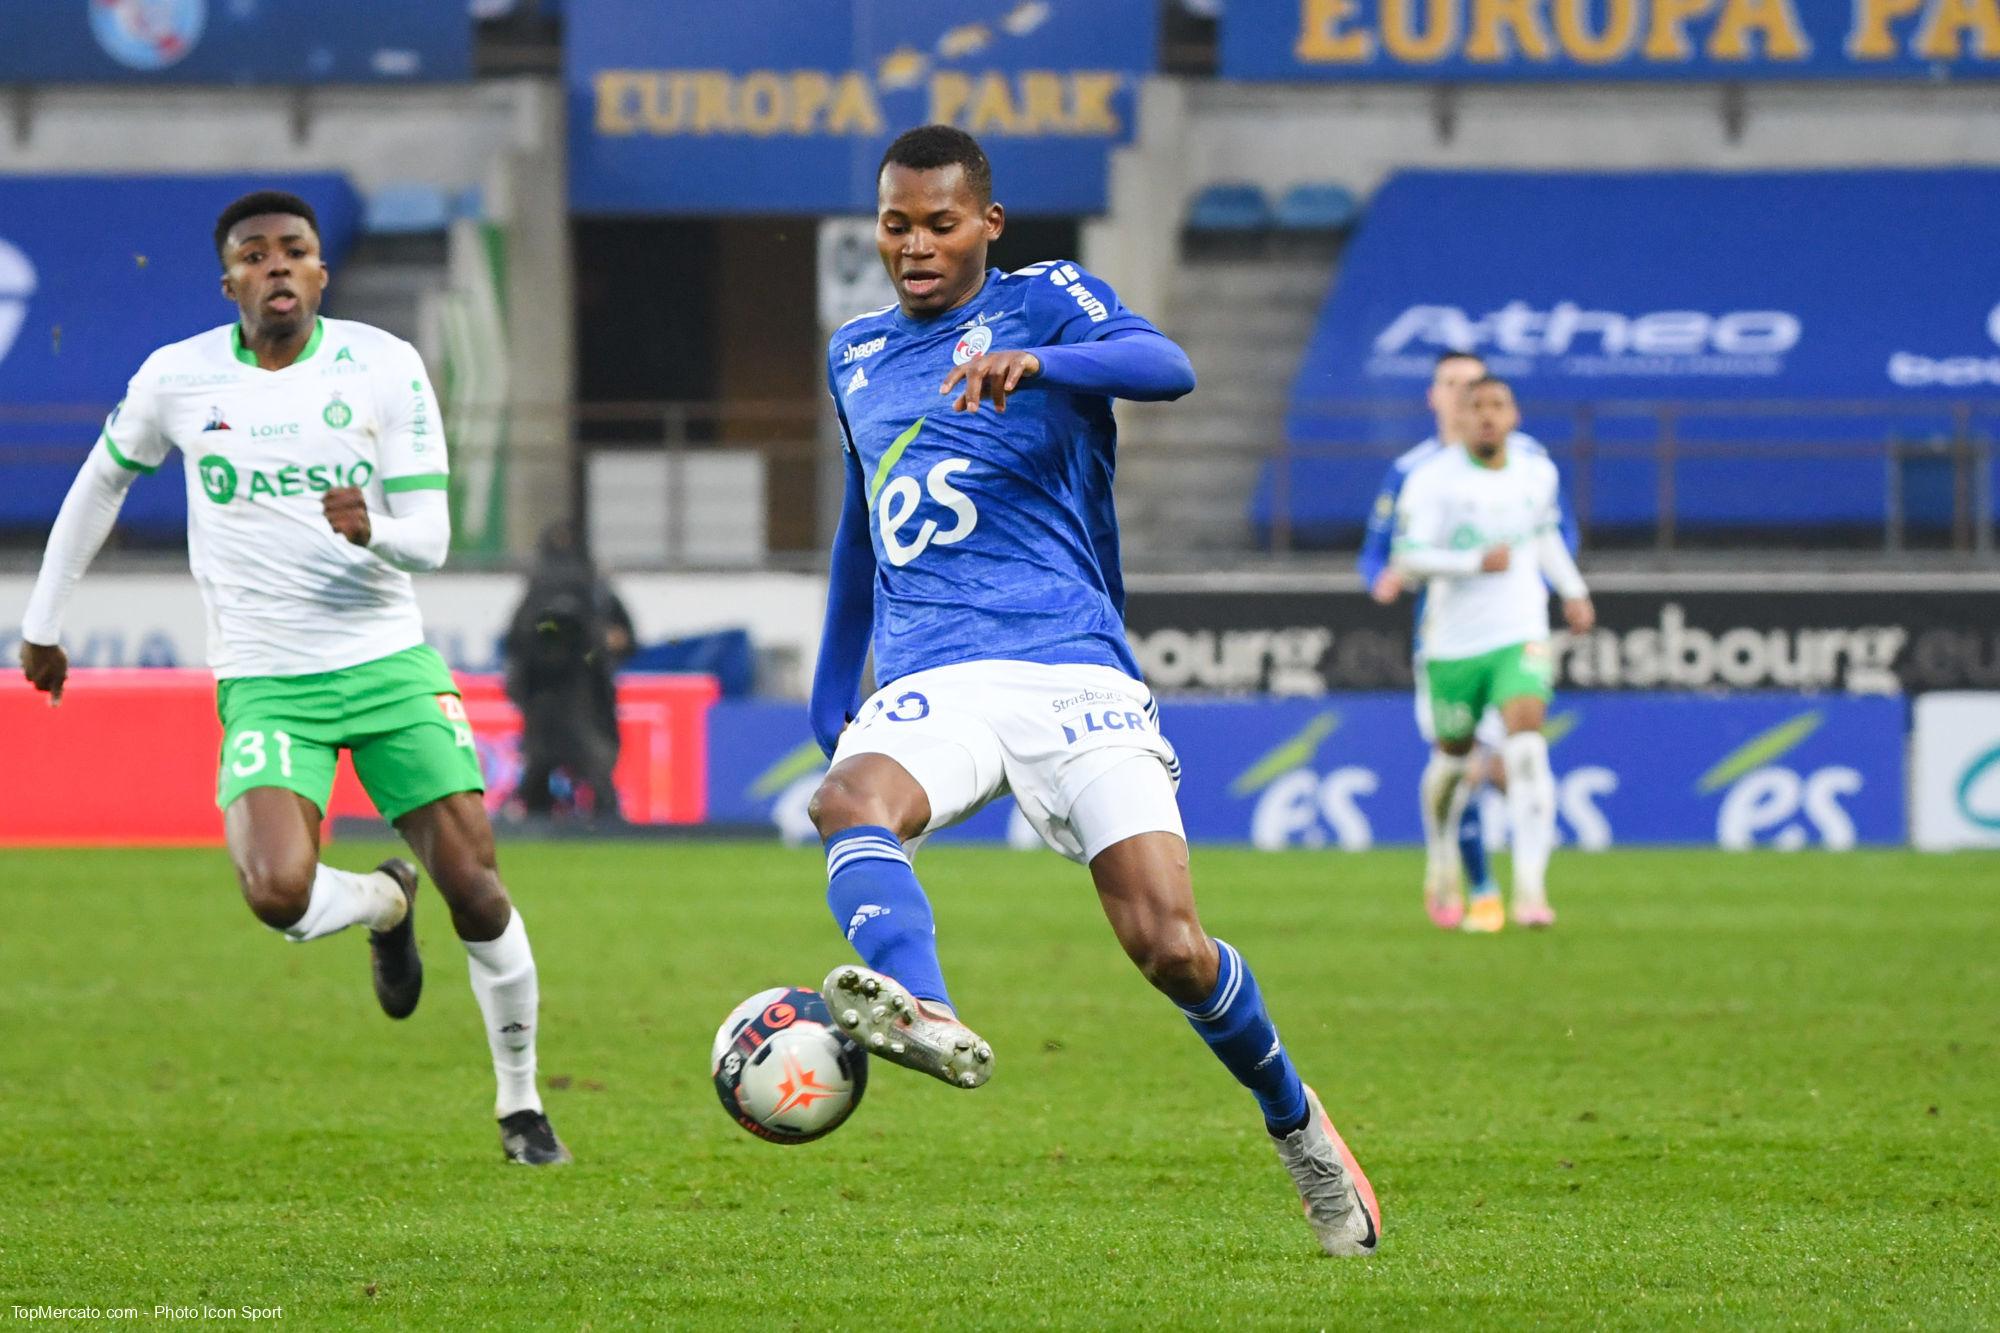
1317, 206
1230, 206
470, 203
406, 209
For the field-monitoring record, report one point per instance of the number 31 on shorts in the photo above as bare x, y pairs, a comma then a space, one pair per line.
251, 753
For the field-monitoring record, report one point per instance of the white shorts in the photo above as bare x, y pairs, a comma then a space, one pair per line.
976, 731
1490, 732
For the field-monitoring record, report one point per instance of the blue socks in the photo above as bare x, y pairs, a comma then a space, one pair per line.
1472, 849
876, 900
1233, 1023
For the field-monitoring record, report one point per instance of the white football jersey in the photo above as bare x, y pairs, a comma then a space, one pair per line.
1453, 503
286, 594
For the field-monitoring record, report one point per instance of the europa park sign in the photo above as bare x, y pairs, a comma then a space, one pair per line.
786, 105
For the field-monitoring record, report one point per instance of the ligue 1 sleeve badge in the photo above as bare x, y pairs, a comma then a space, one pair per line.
975, 343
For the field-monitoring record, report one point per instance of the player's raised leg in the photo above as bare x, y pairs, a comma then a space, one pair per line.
454, 840
896, 1006
1143, 881
273, 837
1531, 808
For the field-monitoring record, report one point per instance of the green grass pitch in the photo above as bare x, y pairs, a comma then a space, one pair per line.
1729, 1090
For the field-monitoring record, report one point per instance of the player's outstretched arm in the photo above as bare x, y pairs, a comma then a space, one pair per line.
850, 614
415, 534
1141, 364
88, 513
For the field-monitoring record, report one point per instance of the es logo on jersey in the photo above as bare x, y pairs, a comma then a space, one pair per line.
976, 342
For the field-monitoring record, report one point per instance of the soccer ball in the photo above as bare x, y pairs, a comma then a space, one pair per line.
783, 1070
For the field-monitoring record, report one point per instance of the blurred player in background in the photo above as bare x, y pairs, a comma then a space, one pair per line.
1483, 526
316, 477
1445, 877
979, 549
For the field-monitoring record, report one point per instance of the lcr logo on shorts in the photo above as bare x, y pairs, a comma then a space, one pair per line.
1106, 719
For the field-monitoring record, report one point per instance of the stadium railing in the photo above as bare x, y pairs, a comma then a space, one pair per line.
757, 483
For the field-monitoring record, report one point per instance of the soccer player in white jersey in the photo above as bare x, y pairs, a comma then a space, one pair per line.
316, 478
1445, 879
1482, 525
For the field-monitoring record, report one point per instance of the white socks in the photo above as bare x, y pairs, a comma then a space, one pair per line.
503, 981
1442, 794
1531, 813
342, 898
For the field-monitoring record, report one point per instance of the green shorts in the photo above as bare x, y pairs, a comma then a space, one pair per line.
400, 716
1463, 688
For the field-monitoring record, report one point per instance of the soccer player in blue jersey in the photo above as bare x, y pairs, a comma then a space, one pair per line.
1444, 889
978, 553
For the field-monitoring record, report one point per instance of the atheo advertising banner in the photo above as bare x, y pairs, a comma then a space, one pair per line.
1882, 639
1631, 335
1956, 755
785, 106
1770, 771
1488, 40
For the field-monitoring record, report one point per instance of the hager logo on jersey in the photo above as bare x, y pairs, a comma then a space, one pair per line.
862, 351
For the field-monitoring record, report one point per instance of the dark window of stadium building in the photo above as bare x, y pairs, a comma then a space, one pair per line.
704, 332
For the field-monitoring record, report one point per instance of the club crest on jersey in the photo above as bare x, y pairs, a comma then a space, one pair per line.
337, 414
215, 421
974, 343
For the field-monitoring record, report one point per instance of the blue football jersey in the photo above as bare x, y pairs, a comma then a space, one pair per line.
994, 534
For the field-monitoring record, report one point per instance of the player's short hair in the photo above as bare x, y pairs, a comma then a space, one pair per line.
929, 147
253, 204
1488, 378
1455, 354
